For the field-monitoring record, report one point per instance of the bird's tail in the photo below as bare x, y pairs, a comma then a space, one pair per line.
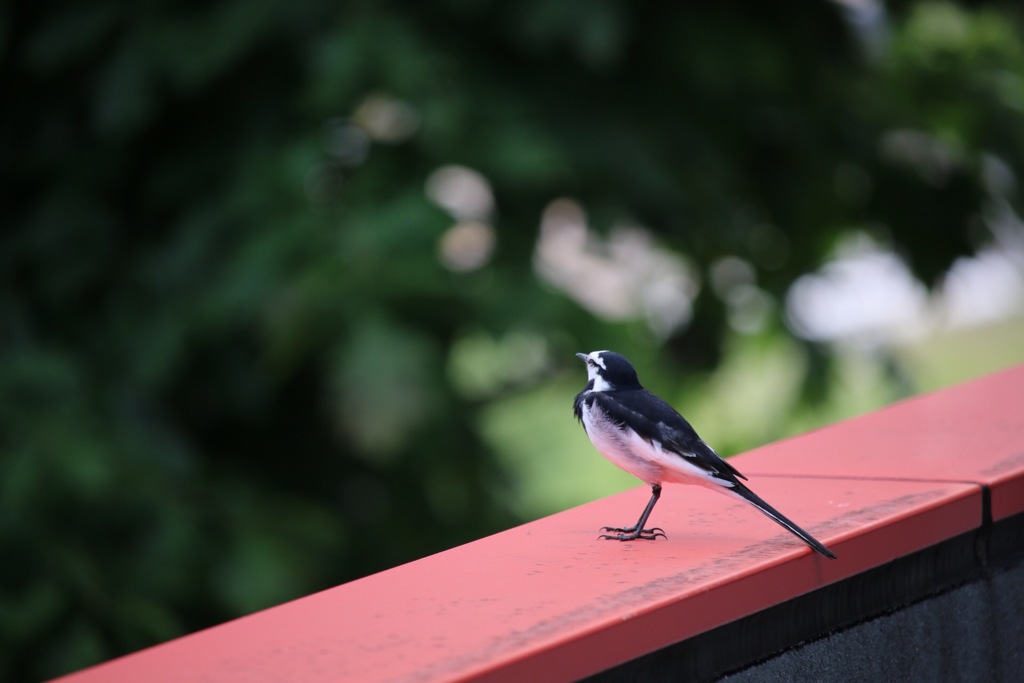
743, 492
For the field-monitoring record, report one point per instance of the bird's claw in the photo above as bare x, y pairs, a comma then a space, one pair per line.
631, 529
632, 533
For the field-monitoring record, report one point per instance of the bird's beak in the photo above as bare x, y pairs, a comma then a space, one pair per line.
582, 357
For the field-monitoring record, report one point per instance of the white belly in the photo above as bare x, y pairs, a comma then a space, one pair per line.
648, 462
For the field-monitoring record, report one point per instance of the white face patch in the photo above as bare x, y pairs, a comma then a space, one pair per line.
600, 384
595, 365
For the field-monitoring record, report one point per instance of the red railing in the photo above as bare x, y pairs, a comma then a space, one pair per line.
547, 601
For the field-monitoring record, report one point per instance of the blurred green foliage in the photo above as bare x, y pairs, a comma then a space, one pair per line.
233, 369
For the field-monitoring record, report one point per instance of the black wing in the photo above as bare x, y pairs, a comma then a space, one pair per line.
655, 420
577, 404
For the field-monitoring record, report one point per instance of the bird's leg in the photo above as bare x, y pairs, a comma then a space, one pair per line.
637, 531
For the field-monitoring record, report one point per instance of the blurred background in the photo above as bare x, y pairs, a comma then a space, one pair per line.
291, 290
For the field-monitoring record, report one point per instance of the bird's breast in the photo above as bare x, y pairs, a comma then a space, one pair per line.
618, 444
646, 459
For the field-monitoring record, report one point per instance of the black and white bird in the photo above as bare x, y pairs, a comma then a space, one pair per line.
645, 436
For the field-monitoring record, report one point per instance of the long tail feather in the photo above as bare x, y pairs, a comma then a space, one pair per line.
755, 500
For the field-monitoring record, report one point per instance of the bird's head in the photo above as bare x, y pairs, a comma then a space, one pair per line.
609, 371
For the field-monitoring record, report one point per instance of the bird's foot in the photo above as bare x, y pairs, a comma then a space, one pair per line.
632, 533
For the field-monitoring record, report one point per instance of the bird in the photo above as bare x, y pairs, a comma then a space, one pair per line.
645, 436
